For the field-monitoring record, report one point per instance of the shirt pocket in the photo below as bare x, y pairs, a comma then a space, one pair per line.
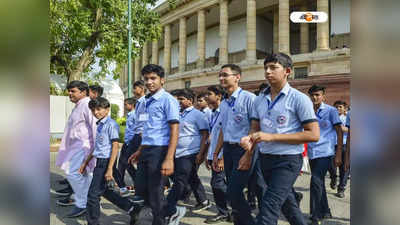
281, 118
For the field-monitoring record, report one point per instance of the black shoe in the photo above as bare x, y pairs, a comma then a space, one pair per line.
217, 219
66, 202
299, 197
134, 214
75, 212
201, 206
333, 184
137, 199
64, 192
340, 194
63, 182
327, 215
252, 205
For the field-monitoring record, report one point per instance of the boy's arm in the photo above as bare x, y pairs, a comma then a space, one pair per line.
203, 147
113, 157
339, 148
167, 167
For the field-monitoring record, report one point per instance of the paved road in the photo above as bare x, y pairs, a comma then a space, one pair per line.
111, 215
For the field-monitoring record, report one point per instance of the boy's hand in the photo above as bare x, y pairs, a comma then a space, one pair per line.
338, 160
199, 159
134, 157
82, 169
246, 143
109, 175
244, 162
167, 167
208, 166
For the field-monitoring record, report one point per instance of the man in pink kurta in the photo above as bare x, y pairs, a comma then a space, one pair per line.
76, 145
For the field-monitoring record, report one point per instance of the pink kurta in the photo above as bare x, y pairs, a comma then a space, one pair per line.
79, 135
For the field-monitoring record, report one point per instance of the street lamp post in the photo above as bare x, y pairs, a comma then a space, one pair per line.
129, 50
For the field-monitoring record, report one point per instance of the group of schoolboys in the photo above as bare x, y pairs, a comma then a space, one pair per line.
245, 140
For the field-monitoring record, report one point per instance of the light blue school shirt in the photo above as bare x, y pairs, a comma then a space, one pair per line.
130, 123
328, 117
343, 120
236, 110
157, 112
192, 122
138, 126
348, 119
208, 112
107, 133
286, 114
215, 127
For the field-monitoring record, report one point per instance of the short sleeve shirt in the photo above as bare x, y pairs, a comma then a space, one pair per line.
107, 133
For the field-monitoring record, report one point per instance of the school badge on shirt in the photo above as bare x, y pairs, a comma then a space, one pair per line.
238, 118
281, 119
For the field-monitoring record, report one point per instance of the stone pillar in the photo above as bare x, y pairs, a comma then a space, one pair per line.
182, 44
275, 34
304, 35
138, 73
145, 54
154, 52
167, 49
251, 52
323, 28
223, 32
284, 29
201, 38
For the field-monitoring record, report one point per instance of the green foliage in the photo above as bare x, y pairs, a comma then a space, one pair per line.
54, 91
122, 133
121, 121
82, 30
114, 111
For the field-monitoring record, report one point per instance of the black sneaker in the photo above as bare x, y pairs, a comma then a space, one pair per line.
63, 182
202, 206
136, 199
66, 202
333, 184
217, 219
64, 192
340, 194
299, 197
75, 212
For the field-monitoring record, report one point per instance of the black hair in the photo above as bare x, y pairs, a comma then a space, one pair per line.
280, 58
152, 68
130, 101
233, 67
175, 92
339, 102
82, 86
99, 102
316, 88
187, 93
138, 83
97, 88
218, 90
201, 95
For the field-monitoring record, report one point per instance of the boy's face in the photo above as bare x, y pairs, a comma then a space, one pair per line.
317, 97
201, 103
100, 113
75, 94
341, 109
138, 91
153, 82
128, 107
184, 102
93, 94
228, 78
211, 97
275, 73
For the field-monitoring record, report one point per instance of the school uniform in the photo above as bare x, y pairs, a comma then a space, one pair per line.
218, 181
123, 164
208, 112
320, 154
235, 125
156, 112
192, 123
107, 133
281, 162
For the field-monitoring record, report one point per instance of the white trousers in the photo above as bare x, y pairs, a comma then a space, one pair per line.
80, 183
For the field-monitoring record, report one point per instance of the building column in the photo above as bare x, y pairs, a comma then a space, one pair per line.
154, 52
138, 73
167, 49
275, 34
304, 34
323, 28
284, 29
201, 38
251, 52
182, 44
223, 32
145, 54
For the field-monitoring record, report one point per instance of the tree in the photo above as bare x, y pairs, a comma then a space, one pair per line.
84, 30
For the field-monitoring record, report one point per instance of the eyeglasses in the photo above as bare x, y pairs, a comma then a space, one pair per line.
225, 75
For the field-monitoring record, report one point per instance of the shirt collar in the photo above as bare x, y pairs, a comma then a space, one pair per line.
103, 120
215, 110
156, 95
285, 89
188, 109
322, 106
83, 100
236, 93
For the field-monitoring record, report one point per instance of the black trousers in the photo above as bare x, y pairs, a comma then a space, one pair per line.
218, 186
123, 165
99, 188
